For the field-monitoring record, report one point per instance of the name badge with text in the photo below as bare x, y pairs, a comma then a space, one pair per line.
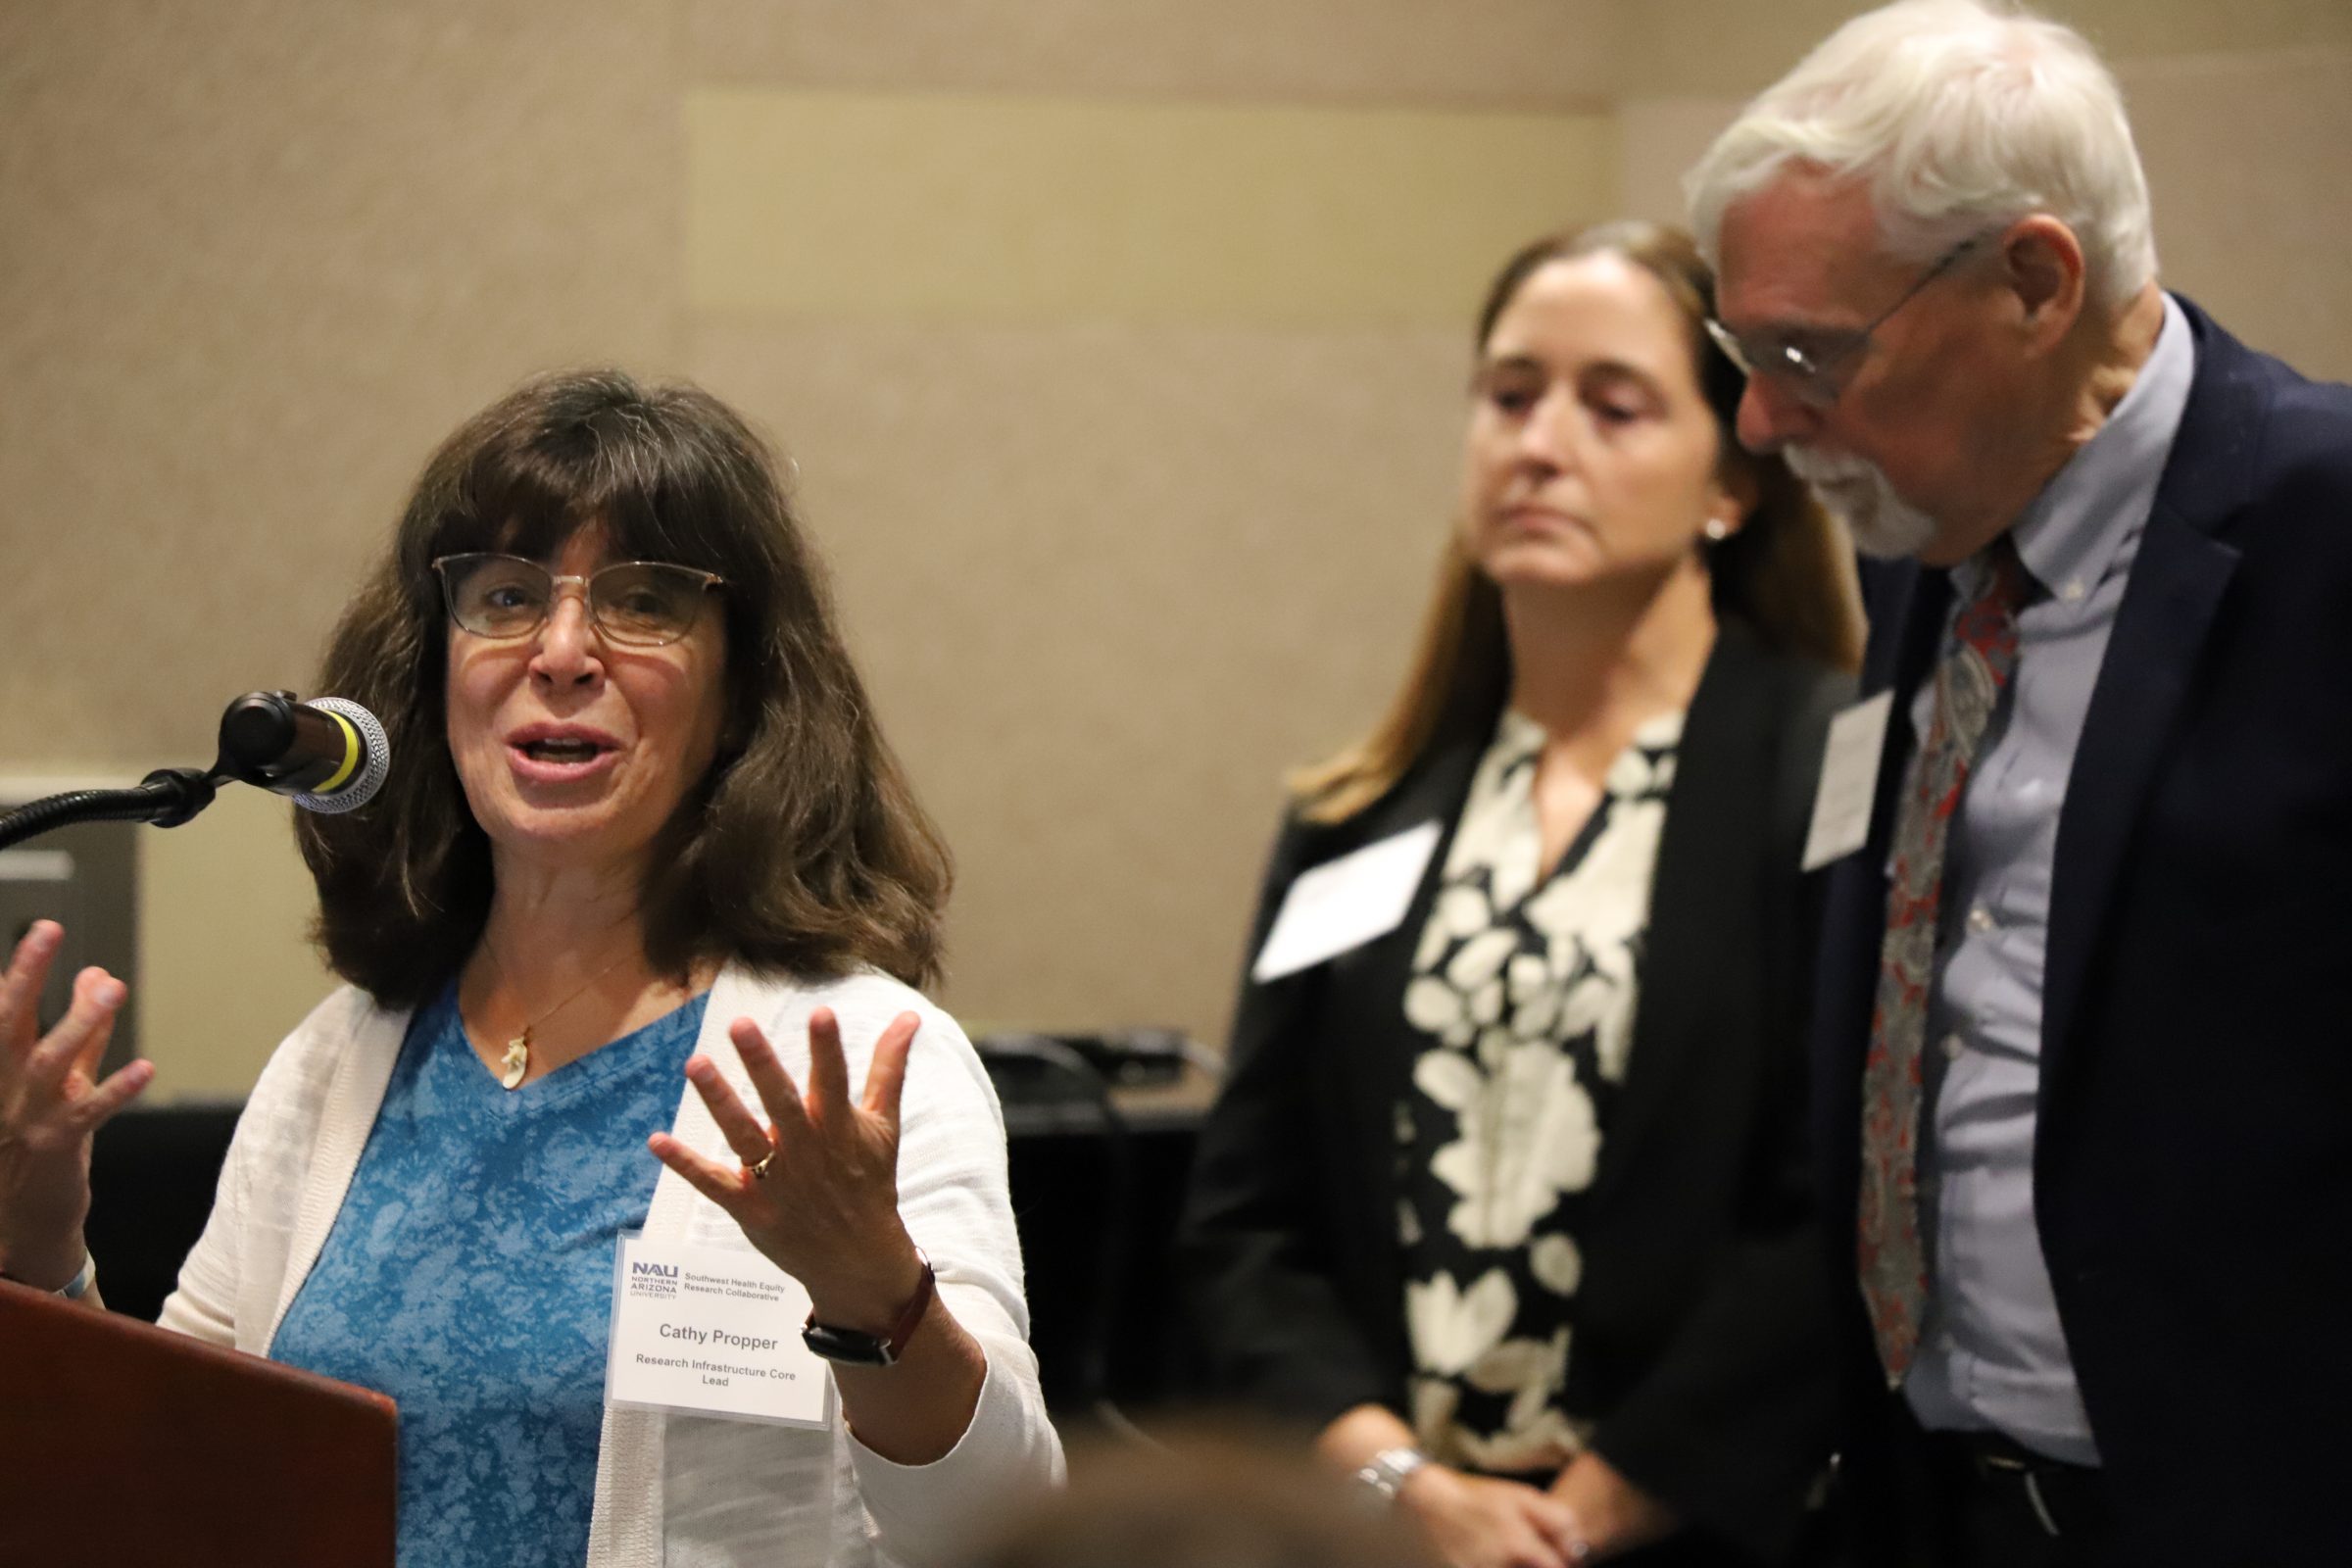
1849, 781
709, 1331
1343, 904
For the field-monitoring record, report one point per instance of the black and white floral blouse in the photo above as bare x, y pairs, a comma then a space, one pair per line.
1523, 987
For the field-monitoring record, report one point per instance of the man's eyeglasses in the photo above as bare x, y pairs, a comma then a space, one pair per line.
642, 603
1814, 371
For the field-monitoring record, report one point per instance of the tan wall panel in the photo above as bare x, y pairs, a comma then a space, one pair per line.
2248, 160
896, 205
1488, 52
1661, 137
1731, 48
258, 257
1107, 583
225, 969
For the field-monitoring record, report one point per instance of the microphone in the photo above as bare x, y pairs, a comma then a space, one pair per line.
328, 754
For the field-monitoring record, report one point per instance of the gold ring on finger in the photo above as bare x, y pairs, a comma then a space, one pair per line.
759, 1172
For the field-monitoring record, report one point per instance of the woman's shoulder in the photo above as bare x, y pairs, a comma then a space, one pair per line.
1796, 685
346, 1019
861, 991
1790, 700
348, 1041
1430, 789
863, 1001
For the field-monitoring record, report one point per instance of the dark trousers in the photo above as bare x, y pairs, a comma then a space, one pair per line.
1978, 1500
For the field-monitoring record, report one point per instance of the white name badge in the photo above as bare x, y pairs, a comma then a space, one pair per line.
1346, 903
1849, 781
711, 1331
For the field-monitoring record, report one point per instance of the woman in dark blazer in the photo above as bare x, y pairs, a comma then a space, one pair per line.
1504, 1199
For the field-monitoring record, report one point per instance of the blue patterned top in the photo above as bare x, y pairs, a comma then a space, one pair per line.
470, 1276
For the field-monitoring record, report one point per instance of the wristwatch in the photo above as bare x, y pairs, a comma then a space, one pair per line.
1385, 1472
856, 1347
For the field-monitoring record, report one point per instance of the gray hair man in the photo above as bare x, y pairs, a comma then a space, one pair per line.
2085, 1100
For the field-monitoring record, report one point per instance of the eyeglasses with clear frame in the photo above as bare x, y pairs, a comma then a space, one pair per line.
1815, 375
637, 604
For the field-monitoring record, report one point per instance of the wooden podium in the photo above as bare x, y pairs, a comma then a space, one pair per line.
121, 1443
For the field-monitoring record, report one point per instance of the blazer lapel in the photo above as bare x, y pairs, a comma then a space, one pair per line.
2176, 585
1718, 803
1369, 983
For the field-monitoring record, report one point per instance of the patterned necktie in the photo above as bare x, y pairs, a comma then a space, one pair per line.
1976, 665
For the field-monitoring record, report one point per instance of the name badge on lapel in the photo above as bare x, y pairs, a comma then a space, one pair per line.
1849, 781
1343, 904
711, 1331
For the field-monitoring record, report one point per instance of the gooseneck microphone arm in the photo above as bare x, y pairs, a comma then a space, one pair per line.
165, 798
329, 754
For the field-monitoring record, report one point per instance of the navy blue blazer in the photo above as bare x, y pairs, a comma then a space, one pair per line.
2192, 1168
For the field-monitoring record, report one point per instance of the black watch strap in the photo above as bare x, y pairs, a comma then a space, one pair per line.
857, 1348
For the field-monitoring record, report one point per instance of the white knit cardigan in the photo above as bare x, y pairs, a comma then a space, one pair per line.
681, 1491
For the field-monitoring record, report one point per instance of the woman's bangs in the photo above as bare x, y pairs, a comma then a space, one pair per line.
679, 527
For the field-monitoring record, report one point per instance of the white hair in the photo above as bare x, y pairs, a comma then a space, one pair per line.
1960, 117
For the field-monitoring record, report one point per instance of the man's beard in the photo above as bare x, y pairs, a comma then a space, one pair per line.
1855, 492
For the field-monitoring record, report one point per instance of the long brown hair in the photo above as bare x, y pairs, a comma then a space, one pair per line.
1788, 572
801, 850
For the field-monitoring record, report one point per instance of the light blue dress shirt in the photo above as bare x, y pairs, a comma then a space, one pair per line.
1993, 1354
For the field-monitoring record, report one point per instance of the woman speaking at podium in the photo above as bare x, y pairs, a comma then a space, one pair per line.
630, 937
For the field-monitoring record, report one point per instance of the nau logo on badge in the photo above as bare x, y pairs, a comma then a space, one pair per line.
653, 1279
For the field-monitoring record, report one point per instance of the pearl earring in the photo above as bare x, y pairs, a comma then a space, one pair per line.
1718, 530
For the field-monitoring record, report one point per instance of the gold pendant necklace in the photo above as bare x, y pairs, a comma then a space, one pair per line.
517, 1059
517, 1062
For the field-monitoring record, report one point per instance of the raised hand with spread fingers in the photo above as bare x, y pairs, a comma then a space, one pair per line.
52, 1101
817, 1191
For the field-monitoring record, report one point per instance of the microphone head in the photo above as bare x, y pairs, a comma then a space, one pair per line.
375, 760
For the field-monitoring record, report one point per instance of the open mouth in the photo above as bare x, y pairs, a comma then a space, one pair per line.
568, 749
561, 756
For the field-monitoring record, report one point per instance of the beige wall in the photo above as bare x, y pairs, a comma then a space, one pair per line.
1119, 348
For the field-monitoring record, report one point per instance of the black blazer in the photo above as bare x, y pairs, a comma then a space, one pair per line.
2192, 1169
1701, 1342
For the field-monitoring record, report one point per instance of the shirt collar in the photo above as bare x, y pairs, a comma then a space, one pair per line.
2074, 533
